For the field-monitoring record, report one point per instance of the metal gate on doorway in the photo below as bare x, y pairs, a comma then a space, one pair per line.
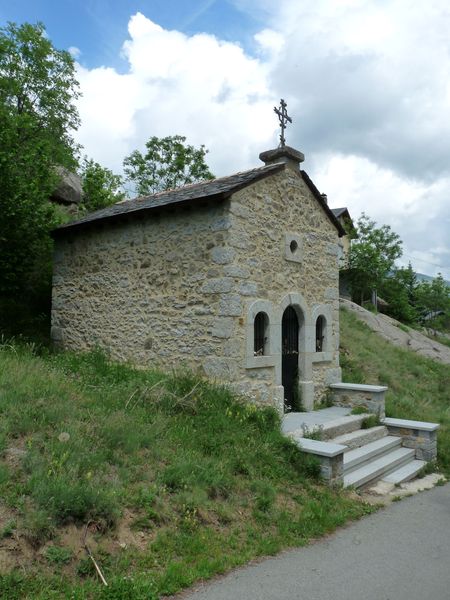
289, 359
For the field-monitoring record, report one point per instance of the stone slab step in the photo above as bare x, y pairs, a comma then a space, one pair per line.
380, 466
360, 437
328, 429
405, 473
342, 426
358, 457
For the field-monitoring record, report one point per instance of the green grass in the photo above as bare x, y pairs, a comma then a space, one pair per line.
176, 479
442, 340
359, 410
369, 422
419, 388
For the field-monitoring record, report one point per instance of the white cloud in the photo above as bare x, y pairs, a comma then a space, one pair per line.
74, 52
198, 86
366, 83
415, 210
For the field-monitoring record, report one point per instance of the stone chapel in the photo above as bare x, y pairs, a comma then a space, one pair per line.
236, 278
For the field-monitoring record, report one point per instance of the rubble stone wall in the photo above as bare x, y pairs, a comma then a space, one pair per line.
181, 288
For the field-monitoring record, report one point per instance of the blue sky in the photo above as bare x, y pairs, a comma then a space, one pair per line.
367, 83
99, 27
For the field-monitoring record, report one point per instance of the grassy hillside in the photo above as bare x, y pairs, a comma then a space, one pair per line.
419, 388
174, 479
171, 479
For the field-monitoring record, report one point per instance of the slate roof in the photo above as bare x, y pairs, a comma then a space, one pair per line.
216, 189
337, 212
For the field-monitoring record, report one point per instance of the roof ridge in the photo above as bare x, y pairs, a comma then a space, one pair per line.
218, 188
196, 183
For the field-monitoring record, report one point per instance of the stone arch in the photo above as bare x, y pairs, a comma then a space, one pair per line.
298, 303
323, 311
261, 334
268, 358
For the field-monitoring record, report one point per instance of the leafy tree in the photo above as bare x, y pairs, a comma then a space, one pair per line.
399, 290
168, 163
371, 257
37, 115
433, 300
101, 187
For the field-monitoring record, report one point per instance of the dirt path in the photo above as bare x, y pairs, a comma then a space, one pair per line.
394, 332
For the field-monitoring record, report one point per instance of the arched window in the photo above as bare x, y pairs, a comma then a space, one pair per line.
320, 333
260, 334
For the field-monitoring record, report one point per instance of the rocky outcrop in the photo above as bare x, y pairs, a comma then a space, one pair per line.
69, 190
398, 334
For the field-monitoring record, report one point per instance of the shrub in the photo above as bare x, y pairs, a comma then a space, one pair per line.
188, 474
67, 499
265, 494
39, 527
58, 555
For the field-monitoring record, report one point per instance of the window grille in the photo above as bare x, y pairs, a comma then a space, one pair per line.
261, 324
320, 333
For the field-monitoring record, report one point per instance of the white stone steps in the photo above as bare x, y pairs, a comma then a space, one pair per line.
358, 457
375, 469
328, 429
342, 426
360, 437
405, 473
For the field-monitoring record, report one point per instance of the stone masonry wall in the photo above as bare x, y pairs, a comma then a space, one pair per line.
175, 289
147, 289
261, 218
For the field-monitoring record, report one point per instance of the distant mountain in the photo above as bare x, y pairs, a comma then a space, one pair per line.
422, 277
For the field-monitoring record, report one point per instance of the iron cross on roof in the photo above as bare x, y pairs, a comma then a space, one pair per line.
284, 119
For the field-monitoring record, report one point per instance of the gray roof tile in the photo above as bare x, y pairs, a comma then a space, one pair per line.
218, 188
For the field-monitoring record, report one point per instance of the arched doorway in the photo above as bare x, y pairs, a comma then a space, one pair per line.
289, 358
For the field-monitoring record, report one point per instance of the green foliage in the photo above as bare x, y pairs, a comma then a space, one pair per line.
433, 300
399, 291
359, 410
67, 499
8, 530
58, 555
312, 434
101, 187
369, 422
38, 527
265, 494
371, 257
37, 116
167, 163
188, 474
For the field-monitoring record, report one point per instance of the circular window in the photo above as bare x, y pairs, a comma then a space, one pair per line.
293, 246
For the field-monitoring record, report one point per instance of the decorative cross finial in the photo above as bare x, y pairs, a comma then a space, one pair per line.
284, 119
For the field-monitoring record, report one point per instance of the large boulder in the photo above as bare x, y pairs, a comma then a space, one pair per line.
70, 188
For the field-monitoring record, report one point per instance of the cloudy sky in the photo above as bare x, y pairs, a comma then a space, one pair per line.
367, 84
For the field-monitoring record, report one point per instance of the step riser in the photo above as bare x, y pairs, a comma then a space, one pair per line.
366, 459
331, 432
378, 472
359, 438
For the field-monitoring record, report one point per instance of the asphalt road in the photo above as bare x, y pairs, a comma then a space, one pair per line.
401, 552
